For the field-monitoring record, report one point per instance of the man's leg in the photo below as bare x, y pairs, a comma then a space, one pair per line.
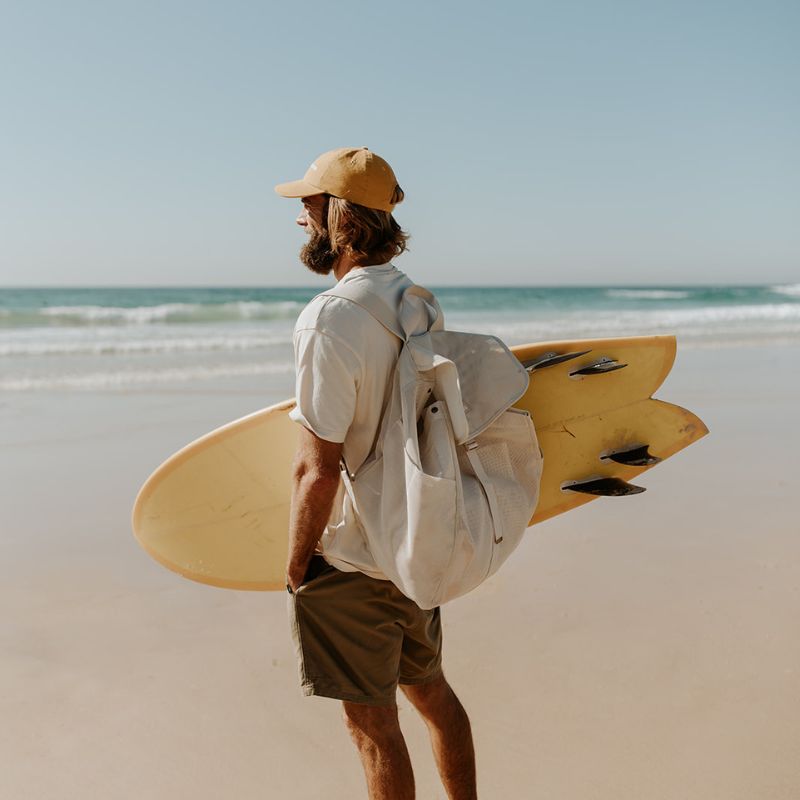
451, 736
387, 766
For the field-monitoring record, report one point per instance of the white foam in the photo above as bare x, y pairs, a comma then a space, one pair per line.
255, 310
648, 294
722, 322
110, 314
763, 312
109, 347
791, 290
128, 378
170, 313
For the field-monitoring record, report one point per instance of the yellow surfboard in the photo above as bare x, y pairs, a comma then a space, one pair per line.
218, 510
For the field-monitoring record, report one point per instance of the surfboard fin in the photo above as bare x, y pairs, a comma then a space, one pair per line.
599, 367
634, 456
550, 359
607, 487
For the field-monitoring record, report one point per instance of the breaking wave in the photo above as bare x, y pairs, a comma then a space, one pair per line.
72, 346
166, 313
128, 378
790, 290
648, 294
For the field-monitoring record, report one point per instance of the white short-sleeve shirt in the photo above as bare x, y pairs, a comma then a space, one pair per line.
345, 363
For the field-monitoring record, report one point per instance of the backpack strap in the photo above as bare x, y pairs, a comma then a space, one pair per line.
418, 310
370, 302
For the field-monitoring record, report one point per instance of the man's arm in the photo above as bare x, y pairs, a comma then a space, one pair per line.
315, 481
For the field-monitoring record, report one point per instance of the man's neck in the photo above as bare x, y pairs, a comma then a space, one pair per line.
344, 265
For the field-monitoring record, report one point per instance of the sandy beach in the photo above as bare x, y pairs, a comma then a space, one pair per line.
643, 647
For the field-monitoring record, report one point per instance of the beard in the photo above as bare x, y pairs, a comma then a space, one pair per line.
316, 253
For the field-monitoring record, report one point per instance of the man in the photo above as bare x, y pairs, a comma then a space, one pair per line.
357, 637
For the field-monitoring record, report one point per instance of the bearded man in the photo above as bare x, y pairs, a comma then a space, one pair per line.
356, 635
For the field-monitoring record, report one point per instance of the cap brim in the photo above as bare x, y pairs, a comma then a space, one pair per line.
297, 189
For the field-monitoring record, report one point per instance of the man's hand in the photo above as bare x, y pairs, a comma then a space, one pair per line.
315, 482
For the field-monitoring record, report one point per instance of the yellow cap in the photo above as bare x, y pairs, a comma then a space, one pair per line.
354, 174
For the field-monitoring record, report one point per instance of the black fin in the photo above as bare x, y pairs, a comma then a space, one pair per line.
608, 487
599, 367
634, 457
550, 359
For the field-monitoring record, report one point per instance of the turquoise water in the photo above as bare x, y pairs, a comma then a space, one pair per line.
88, 306
101, 338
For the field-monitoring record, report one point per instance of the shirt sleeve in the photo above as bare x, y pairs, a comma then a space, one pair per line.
328, 375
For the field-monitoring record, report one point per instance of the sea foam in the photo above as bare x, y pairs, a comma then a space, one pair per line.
790, 290
165, 313
648, 294
129, 378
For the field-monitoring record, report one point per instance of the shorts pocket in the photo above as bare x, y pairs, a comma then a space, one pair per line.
317, 567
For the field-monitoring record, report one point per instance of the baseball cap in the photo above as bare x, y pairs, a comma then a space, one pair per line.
351, 173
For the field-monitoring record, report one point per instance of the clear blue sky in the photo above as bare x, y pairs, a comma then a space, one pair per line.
538, 143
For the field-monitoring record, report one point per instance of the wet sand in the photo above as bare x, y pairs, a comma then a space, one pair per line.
642, 647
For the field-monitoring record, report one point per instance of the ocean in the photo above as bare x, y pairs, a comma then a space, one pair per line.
105, 339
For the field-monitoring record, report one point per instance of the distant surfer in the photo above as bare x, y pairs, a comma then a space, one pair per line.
357, 637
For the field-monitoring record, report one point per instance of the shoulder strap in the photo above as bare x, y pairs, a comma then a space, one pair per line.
418, 310
371, 303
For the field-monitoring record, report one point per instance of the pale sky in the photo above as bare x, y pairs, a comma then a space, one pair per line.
538, 143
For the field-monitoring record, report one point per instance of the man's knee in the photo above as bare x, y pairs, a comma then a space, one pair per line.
371, 725
434, 698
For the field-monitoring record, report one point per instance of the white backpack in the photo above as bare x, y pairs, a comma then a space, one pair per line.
453, 480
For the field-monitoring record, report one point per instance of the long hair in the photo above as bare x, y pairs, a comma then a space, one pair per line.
371, 236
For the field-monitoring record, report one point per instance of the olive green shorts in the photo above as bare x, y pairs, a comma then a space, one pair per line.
357, 637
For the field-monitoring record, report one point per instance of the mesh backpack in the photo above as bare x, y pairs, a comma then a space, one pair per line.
448, 490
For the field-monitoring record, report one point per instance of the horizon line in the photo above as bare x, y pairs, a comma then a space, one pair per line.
433, 285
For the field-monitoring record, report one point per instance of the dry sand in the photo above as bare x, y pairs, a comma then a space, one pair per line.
643, 647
